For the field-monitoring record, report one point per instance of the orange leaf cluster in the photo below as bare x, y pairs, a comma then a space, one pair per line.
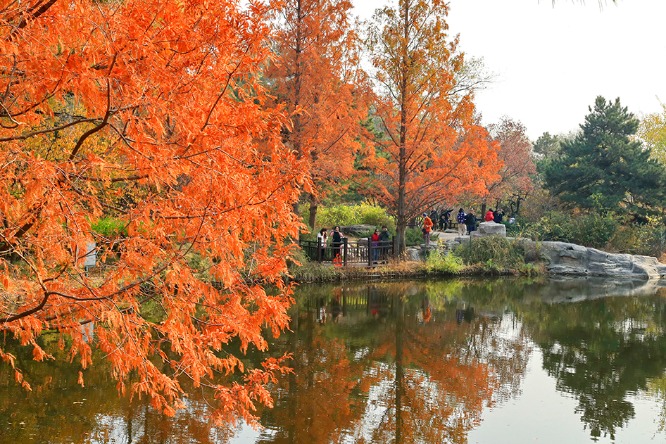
150, 113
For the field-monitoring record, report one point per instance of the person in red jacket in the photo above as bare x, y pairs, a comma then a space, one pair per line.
374, 245
490, 215
427, 228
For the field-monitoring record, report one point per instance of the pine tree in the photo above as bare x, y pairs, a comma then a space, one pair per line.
605, 168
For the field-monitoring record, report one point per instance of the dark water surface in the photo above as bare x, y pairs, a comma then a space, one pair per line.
460, 361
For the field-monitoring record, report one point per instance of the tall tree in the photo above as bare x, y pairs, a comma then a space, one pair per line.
605, 168
518, 167
318, 81
430, 148
160, 96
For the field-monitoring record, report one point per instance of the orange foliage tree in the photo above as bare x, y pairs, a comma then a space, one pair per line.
518, 167
317, 79
430, 148
151, 113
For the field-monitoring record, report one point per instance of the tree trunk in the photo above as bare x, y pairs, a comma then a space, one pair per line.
314, 205
296, 132
402, 160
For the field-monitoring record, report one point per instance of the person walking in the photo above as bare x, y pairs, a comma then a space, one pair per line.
444, 219
470, 222
460, 218
427, 228
434, 216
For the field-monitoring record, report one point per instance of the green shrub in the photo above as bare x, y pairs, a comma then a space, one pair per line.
358, 214
413, 236
553, 226
337, 215
513, 230
441, 262
492, 253
646, 240
110, 227
590, 230
594, 230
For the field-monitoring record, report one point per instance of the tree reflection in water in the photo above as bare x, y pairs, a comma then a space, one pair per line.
601, 351
405, 362
396, 367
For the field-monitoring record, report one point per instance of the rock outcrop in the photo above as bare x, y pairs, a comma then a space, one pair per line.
574, 260
565, 259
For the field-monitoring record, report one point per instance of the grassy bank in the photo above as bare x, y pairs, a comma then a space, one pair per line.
490, 256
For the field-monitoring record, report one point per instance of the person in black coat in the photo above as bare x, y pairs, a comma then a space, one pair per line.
470, 222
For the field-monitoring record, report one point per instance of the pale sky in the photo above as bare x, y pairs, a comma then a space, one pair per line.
551, 62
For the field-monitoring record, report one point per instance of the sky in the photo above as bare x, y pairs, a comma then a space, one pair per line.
549, 62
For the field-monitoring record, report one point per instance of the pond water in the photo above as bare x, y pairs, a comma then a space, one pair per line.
453, 361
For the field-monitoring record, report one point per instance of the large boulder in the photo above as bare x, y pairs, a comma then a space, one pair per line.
489, 229
570, 259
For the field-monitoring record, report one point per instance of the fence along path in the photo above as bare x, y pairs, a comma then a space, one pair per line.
350, 251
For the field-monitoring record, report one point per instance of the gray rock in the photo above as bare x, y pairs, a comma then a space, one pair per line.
570, 259
489, 229
562, 289
413, 254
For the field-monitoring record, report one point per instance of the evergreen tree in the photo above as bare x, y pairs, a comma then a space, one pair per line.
547, 146
605, 168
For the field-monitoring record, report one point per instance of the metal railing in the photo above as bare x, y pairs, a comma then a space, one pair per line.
358, 251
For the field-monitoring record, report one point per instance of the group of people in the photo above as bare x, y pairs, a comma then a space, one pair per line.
379, 241
435, 220
336, 244
494, 216
441, 219
466, 221
380, 244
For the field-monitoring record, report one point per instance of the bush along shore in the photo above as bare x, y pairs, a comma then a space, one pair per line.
496, 256
488, 256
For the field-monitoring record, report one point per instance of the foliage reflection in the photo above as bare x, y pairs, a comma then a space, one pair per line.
401, 362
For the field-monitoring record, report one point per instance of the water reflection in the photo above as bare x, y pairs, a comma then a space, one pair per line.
401, 362
407, 362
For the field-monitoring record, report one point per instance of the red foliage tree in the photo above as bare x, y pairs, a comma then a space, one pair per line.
518, 167
150, 113
430, 149
318, 80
